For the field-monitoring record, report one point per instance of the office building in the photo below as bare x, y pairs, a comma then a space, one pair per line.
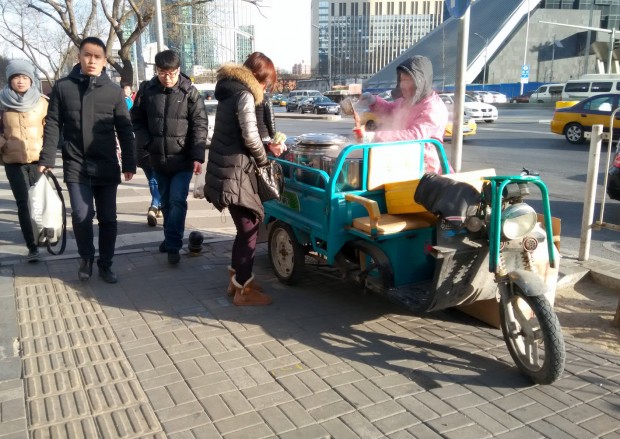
352, 40
209, 34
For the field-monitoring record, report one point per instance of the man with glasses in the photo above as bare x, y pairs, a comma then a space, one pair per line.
170, 123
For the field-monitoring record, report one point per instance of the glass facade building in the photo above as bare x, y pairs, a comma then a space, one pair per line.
355, 39
610, 9
210, 34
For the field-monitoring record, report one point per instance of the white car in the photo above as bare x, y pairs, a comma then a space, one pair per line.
478, 111
485, 96
498, 98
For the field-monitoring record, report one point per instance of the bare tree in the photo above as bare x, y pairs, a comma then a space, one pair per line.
125, 21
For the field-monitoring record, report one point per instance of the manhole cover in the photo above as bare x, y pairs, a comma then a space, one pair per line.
613, 246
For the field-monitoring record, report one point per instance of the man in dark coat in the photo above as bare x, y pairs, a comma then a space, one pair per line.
89, 111
170, 122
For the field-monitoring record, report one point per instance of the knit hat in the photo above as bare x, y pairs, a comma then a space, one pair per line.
20, 67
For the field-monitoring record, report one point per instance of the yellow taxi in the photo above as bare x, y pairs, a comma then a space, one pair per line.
572, 122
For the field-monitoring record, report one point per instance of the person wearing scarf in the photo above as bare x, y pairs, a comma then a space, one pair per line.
22, 116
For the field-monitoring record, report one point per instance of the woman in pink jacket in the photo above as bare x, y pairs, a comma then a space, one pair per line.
417, 113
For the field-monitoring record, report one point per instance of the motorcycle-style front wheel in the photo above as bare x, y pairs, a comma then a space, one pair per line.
533, 335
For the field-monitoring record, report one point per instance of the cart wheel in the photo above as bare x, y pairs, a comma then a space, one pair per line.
378, 265
285, 253
533, 335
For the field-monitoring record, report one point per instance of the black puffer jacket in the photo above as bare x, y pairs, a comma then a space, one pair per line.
266, 119
235, 139
89, 112
170, 124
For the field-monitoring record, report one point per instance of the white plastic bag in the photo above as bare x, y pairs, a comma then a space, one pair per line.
199, 185
47, 213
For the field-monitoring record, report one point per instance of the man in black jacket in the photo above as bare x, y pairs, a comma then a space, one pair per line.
170, 123
89, 110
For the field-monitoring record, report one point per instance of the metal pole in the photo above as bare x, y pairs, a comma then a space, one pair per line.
612, 39
586, 55
160, 26
459, 91
329, 50
552, 58
486, 60
589, 199
527, 33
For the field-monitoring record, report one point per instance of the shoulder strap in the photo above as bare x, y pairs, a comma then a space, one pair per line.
63, 244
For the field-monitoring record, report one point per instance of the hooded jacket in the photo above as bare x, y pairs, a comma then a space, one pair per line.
90, 113
422, 117
21, 136
170, 125
236, 138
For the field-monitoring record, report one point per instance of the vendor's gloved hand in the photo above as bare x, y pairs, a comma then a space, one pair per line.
346, 105
367, 98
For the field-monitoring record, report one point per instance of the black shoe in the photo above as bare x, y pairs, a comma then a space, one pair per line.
163, 248
151, 216
174, 257
86, 269
107, 275
33, 255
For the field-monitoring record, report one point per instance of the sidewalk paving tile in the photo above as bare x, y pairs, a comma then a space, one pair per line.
178, 360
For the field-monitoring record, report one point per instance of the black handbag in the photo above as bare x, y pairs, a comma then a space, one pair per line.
269, 180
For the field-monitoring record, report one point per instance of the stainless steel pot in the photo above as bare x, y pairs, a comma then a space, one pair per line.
350, 176
308, 151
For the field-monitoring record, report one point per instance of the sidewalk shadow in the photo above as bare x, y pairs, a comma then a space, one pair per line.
331, 319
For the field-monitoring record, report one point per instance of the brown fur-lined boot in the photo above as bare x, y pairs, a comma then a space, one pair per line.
250, 294
231, 288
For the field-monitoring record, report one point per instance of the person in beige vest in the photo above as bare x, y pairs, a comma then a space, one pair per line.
22, 116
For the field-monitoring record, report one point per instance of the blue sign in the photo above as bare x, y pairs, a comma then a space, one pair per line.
525, 73
457, 8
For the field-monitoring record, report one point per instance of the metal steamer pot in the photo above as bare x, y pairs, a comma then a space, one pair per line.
309, 150
350, 176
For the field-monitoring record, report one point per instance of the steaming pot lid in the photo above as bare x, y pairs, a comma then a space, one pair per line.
321, 139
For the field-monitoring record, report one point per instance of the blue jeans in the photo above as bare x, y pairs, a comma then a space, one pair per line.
84, 199
173, 190
153, 188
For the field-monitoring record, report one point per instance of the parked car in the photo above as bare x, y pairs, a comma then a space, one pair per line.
547, 93
304, 93
521, 99
292, 105
319, 105
484, 96
498, 98
276, 99
613, 177
573, 122
479, 111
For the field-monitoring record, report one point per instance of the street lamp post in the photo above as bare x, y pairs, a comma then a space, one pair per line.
160, 26
486, 47
527, 34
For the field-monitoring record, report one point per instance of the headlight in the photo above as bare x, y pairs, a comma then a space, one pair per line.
518, 220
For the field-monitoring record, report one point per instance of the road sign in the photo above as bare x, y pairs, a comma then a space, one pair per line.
525, 74
457, 8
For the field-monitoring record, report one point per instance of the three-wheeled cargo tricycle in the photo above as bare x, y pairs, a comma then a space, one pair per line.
426, 241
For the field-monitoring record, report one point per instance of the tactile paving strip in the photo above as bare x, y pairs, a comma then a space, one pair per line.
78, 382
